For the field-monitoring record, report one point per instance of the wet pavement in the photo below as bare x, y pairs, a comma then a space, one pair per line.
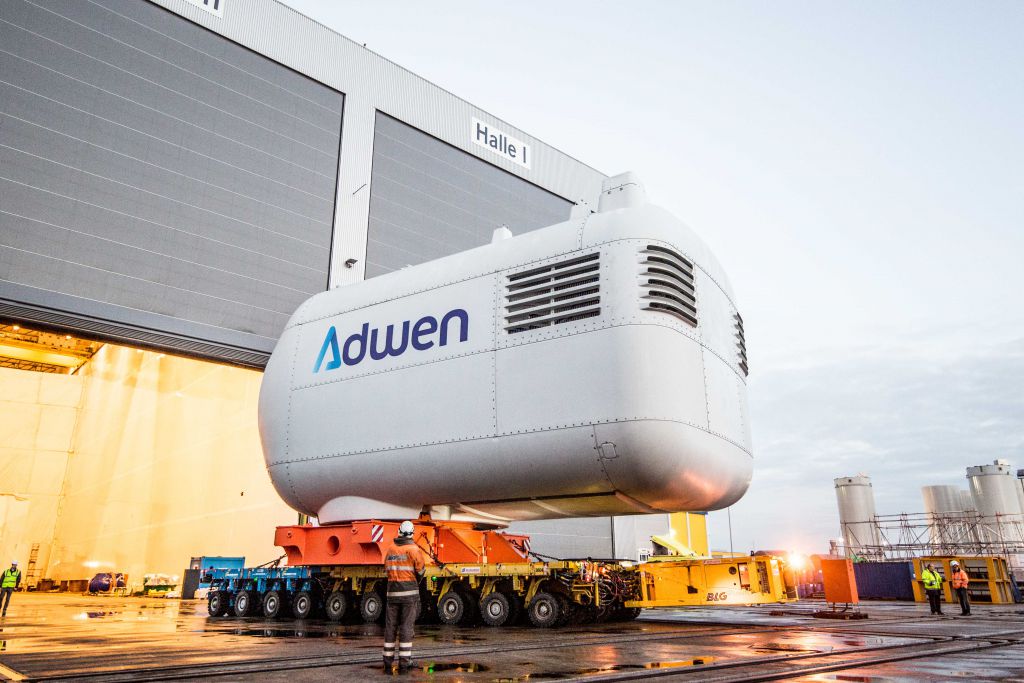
65, 637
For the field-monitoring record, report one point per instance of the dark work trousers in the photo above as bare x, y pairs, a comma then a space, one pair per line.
965, 603
5, 597
935, 600
398, 621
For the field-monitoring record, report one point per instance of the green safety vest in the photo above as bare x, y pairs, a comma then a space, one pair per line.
932, 580
10, 579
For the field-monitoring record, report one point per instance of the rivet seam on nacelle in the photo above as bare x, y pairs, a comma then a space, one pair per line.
475, 437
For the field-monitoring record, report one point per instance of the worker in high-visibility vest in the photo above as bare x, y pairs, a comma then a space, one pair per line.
959, 580
9, 582
404, 564
932, 581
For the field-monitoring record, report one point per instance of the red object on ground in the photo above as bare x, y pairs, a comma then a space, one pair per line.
363, 543
840, 583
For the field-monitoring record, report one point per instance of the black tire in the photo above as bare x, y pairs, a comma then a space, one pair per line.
245, 604
336, 605
218, 603
544, 610
275, 604
371, 607
451, 608
302, 605
495, 609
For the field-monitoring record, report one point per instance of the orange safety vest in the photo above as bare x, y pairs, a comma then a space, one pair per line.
403, 562
960, 579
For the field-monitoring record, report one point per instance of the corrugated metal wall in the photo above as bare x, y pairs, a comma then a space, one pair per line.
884, 580
429, 199
157, 180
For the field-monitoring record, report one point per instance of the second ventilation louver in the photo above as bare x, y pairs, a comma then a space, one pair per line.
666, 283
553, 294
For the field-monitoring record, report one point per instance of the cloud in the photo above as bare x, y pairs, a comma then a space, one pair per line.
908, 415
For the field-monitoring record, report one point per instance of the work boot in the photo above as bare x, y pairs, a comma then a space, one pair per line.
404, 665
389, 663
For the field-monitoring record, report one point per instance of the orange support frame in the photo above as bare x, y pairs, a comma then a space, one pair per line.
363, 543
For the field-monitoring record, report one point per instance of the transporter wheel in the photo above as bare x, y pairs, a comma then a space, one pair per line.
451, 608
371, 607
495, 609
217, 602
302, 605
245, 605
336, 605
544, 610
274, 604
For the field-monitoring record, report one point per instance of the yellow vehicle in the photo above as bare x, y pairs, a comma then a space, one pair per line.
692, 582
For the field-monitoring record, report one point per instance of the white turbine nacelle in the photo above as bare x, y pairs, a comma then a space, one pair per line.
593, 367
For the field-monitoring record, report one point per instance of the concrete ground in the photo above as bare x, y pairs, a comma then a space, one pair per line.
75, 637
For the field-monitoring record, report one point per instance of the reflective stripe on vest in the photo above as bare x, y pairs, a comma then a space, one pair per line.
402, 564
932, 580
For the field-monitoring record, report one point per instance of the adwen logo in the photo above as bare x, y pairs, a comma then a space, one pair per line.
420, 336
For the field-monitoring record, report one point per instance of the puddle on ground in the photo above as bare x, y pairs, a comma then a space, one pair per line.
553, 675
787, 647
698, 661
438, 667
448, 638
458, 667
284, 633
82, 616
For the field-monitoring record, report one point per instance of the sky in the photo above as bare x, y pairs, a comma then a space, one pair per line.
857, 168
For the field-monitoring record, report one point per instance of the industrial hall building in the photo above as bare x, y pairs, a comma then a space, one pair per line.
176, 177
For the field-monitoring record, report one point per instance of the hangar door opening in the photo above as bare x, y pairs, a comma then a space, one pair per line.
116, 459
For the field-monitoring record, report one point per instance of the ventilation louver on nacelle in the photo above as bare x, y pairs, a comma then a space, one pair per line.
553, 294
741, 345
667, 285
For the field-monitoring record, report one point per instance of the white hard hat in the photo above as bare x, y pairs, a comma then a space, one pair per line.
406, 528
14, 563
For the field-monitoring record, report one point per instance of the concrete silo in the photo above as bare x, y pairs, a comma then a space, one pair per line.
994, 491
856, 499
944, 506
